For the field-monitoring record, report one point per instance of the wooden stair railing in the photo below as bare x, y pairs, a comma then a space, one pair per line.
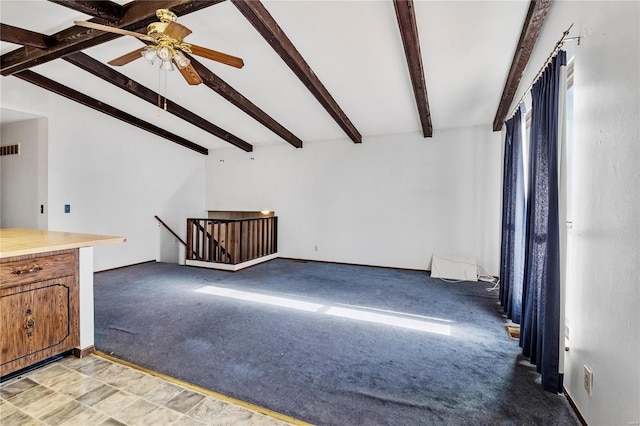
214, 244
231, 241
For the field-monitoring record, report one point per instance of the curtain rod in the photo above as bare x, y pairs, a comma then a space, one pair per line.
553, 53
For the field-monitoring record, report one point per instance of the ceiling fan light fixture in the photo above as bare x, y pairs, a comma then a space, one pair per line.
166, 66
149, 54
181, 60
164, 52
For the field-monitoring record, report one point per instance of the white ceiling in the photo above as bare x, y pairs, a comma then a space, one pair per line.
354, 47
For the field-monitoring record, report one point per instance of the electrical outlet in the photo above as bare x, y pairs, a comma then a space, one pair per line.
588, 380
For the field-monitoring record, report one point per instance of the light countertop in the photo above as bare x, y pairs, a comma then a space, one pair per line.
20, 241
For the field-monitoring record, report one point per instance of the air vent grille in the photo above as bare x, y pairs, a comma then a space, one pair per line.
10, 150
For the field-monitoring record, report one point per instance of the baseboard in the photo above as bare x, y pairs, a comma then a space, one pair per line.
574, 406
428, 271
125, 266
81, 353
231, 268
295, 259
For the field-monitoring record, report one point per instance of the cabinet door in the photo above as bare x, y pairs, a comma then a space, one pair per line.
51, 314
14, 342
38, 321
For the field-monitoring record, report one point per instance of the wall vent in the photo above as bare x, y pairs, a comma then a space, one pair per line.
10, 150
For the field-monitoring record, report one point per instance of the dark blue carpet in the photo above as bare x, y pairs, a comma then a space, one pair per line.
447, 360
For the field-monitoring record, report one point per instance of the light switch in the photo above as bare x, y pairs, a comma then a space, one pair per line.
67, 208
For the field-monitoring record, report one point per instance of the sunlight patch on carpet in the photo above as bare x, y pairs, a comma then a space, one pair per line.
396, 319
396, 312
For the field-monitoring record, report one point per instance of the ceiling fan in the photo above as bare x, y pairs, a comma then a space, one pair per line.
167, 45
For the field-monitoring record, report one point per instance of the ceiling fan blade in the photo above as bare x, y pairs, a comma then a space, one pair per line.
127, 57
217, 56
176, 31
109, 29
189, 73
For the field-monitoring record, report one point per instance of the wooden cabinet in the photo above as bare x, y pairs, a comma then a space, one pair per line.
39, 308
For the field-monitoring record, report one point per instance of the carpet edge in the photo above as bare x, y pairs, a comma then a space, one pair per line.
205, 391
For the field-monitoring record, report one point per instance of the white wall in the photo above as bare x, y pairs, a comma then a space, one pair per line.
115, 177
603, 296
23, 177
390, 201
603, 277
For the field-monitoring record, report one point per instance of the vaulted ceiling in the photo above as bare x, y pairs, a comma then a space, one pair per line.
314, 70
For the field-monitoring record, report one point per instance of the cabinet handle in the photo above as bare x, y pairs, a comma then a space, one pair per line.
27, 271
30, 325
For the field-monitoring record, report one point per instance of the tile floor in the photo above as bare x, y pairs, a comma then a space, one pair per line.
96, 391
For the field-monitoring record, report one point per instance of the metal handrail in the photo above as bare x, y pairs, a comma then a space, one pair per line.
170, 230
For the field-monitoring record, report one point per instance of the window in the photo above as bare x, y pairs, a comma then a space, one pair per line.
569, 144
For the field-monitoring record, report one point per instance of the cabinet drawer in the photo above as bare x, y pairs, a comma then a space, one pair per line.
34, 268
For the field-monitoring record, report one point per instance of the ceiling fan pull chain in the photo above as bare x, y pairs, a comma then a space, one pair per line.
162, 104
165, 89
159, 95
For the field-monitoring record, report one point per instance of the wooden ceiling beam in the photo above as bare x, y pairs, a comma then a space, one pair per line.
105, 10
179, 7
74, 95
531, 30
123, 82
218, 85
136, 16
16, 35
263, 22
409, 32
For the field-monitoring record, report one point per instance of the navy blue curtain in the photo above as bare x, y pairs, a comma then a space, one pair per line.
540, 325
513, 220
